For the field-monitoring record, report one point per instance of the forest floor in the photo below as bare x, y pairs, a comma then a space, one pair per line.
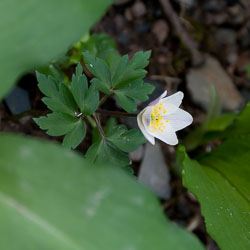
220, 55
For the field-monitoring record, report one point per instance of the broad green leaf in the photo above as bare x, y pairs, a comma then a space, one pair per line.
57, 124
36, 32
51, 198
241, 123
106, 151
221, 184
74, 137
126, 140
79, 86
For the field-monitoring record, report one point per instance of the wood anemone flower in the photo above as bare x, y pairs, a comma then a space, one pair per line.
163, 117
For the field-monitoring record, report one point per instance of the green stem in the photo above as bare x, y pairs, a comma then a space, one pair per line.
98, 124
115, 113
91, 121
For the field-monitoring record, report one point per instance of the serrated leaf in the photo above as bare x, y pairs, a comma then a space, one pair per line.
99, 68
47, 85
220, 181
105, 151
57, 124
99, 45
134, 70
67, 98
74, 137
91, 100
56, 105
79, 86
125, 140
118, 70
102, 86
138, 90
127, 103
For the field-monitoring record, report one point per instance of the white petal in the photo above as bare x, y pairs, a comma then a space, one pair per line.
173, 102
180, 119
168, 136
149, 137
158, 99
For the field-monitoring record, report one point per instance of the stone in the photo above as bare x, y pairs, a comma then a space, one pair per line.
160, 30
225, 36
18, 101
139, 9
154, 172
200, 80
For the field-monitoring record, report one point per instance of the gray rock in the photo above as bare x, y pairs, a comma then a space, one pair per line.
138, 9
225, 36
154, 172
137, 154
200, 80
160, 30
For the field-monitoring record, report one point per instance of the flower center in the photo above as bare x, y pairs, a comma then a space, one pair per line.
157, 121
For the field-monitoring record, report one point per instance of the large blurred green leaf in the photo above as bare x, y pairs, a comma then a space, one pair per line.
51, 198
35, 32
221, 183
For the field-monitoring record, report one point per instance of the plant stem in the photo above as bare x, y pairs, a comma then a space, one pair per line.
103, 99
91, 121
115, 113
98, 124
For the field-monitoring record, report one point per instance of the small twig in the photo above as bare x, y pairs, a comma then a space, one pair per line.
98, 124
197, 57
103, 99
115, 113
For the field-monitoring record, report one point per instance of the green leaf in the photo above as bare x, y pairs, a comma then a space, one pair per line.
51, 198
126, 140
67, 98
127, 103
134, 70
241, 123
99, 45
47, 85
99, 68
75, 136
79, 86
127, 95
32, 34
221, 183
106, 151
91, 100
57, 124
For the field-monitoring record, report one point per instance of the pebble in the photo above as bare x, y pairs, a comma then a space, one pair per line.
138, 9
160, 30
200, 80
154, 172
225, 36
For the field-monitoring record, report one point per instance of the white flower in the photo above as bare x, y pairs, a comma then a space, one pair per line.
163, 117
